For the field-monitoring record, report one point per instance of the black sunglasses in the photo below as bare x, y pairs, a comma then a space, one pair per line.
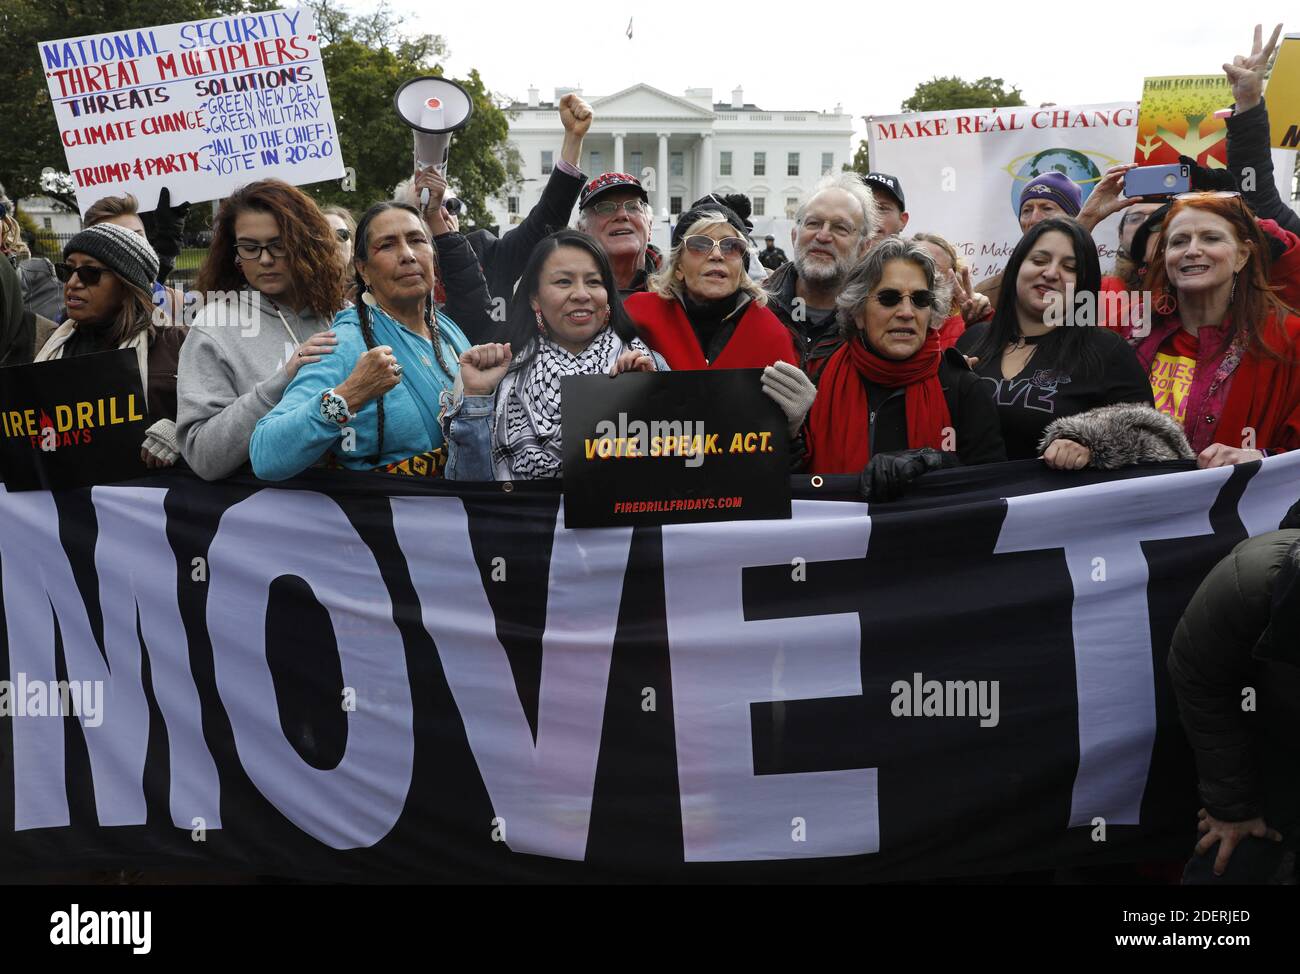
89, 275
344, 233
890, 298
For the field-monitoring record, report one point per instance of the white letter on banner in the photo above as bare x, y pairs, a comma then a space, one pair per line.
722, 663
137, 573
288, 532
543, 790
1112, 631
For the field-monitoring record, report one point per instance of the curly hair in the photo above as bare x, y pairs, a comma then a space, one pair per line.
1254, 300
313, 258
665, 283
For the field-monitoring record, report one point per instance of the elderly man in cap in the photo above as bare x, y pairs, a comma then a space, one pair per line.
615, 209
891, 210
1047, 195
832, 229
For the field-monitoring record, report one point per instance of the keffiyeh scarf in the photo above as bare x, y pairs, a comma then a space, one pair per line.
528, 437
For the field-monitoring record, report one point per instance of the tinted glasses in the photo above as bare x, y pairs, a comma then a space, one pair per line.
89, 275
701, 244
344, 234
890, 298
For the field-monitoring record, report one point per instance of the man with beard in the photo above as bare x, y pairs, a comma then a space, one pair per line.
832, 229
615, 209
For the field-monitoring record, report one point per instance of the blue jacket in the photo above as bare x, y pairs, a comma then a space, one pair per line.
294, 435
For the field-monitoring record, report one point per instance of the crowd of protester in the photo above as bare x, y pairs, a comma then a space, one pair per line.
372, 343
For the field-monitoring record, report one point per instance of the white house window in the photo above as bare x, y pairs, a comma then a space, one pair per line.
791, 206
548, 162
512, 205
724, 163
792, 164
675, 205
597, 164
760, 163
828, 162
49, 224
760, 206
677, 164
636, 165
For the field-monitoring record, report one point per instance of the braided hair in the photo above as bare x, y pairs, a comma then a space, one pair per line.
361, 254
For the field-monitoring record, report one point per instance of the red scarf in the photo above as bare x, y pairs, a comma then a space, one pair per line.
759, 339
838, 433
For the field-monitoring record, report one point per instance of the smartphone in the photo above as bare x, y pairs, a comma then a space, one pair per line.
1158, 180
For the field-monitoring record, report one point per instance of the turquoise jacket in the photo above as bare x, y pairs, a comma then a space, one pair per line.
294, 435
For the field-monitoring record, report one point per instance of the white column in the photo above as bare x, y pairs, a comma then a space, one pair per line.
618, 152
705, 178
661, 177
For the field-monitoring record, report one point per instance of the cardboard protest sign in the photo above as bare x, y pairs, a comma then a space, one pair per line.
1283, 95
72, 422
963, 171
1176, 118
672, 448
200, 107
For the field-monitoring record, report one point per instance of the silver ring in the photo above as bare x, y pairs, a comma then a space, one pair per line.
397, 369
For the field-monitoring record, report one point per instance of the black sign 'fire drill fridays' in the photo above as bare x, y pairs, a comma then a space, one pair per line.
72, 422
672, 448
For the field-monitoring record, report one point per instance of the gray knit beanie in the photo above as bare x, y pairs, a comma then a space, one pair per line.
126, 254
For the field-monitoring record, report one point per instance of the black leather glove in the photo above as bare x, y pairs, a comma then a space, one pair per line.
887, 475
165, 230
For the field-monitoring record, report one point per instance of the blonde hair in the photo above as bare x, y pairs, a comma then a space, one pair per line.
11, 238
103, 210
667, 286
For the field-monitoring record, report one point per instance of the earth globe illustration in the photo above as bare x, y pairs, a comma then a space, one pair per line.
1075, 164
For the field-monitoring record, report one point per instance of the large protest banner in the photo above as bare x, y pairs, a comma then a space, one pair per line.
367, 677
963, 171
200, 107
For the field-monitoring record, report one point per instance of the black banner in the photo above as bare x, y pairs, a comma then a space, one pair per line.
672, 448
364, 677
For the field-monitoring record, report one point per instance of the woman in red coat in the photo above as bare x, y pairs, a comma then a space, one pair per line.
704, 312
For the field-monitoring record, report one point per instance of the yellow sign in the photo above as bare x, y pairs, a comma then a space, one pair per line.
1176, 118
1283, 95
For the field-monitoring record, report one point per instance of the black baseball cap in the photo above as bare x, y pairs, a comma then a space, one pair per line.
890, 185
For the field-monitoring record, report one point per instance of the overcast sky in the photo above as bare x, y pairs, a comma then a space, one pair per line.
868, 56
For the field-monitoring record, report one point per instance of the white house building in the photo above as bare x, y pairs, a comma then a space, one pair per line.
684, 147
49, 214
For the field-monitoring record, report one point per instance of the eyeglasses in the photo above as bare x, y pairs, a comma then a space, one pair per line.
890, 298
343, 232
607, 207
253, 251
89, 275
701, 244
1209, 194
838, 227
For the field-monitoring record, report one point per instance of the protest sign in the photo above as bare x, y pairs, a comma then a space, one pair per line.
1283, 95
837, 696
1177, 118
200, 107
672, 448
72, 422
963, 171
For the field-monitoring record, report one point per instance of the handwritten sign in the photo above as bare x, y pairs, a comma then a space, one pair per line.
200, 107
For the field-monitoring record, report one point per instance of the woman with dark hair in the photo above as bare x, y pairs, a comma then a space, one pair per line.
892, 403
272, 283
1223, 359
1037, 360
503, 420
373, 403
107, 272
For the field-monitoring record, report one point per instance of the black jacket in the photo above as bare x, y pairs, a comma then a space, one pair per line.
503, 259
1249, 149
1241, 629
974, 417
814, 342
468, 302
772, 259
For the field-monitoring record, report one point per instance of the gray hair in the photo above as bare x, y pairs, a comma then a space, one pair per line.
853, 184
665, 283
866, 277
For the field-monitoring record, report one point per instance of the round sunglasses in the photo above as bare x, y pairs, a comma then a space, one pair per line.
89, 275
701, 244
890, 298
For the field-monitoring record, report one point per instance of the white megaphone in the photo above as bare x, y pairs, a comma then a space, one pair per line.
434, 108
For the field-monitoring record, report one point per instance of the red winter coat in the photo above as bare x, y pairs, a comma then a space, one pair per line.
759, 339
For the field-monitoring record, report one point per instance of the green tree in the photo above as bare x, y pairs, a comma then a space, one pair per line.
861, 163
946, 94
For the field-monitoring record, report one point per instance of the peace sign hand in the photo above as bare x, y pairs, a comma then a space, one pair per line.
1246, 74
